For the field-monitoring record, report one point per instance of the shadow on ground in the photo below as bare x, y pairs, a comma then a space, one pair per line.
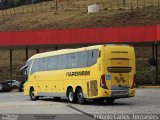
90, 102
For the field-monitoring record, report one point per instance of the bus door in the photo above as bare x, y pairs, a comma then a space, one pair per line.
119, 71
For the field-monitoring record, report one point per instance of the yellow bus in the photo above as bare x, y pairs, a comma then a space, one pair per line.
99, 72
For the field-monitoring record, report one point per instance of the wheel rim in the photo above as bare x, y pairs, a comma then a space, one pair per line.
70, 96
32, 95
80, 96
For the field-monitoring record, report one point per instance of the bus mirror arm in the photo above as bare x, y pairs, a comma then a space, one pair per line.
23, 68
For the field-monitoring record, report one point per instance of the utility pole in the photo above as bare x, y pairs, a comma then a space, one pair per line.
11, 62
157, 80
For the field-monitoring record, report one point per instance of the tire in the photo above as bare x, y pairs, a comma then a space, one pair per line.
110, 100
15, 87
71, 96
80, 97
32, 95
20, 89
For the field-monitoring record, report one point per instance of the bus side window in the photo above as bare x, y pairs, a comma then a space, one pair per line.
92, 57
35, 66
43, 64
72, 60
82, 59
52, 63
62, 62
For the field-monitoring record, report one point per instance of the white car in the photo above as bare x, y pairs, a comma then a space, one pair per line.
13, 83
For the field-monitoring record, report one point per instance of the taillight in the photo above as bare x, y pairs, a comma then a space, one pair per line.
103, 82
134, 82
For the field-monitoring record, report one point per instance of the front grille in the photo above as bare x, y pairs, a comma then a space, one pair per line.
119, 69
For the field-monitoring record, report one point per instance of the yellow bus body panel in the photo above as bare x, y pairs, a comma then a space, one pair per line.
112, 58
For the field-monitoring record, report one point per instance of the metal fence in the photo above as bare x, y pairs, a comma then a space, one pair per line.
144, 72
79, 5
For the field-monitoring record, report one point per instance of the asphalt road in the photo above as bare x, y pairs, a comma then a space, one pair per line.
146, 101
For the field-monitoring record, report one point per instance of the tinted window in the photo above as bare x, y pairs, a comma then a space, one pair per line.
62, 62
82, 59
35, 66
73, 60
52, 63
92, 56
43, 64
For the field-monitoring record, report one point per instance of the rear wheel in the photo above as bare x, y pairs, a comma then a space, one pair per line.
110, 100
71, 96
32, 95
80, 97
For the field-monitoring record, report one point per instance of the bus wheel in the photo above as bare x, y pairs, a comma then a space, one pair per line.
71, 96
32, 95
80, 98
110, 100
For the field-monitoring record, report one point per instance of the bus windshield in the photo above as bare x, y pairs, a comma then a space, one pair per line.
25, 70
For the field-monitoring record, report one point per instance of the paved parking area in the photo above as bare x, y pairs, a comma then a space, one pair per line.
146, 101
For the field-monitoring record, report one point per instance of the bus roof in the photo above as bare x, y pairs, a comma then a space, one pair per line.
64, 51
